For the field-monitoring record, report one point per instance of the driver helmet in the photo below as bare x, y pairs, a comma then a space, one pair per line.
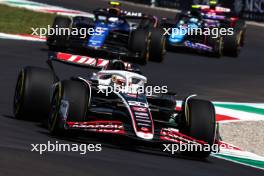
114, 8
118, 81
114, 11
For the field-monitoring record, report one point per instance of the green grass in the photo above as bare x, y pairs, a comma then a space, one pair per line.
20, 21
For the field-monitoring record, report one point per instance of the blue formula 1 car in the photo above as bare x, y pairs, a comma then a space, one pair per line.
191, 31
112, 32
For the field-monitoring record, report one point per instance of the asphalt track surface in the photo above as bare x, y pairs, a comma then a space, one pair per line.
227, 79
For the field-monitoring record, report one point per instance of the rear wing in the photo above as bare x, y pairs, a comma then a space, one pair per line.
86, 61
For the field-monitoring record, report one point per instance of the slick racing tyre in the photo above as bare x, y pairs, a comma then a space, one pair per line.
82, 22
70, 102
217, 45
200, 124
157, 46
146, 24
32, 93
241, 26
233, 43
58, 42
140, 43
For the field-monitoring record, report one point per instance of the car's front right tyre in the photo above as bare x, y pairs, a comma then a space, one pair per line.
32, 93
199, 124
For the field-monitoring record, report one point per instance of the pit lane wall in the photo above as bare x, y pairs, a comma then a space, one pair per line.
246, 9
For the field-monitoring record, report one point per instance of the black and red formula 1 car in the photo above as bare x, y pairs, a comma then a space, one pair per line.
88, 104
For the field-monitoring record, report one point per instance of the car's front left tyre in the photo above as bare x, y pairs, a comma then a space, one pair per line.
70, 103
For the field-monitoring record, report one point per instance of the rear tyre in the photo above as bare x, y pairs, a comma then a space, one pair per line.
241, 25
157, 46
140, 43
243, 36
146, 24
233, 43
32, 93
217, 45
74, 96
58, 42
199, 124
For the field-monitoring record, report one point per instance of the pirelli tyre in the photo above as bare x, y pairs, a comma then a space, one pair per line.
70, 102
55, 41
200, 124
146, 23
157, 45
233, 43
217, 45
32, 93
241, 26
139, 43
